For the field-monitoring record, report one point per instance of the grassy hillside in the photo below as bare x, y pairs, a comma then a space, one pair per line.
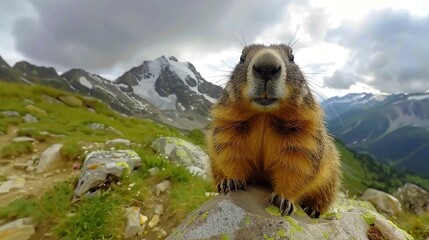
361, 171
102, 216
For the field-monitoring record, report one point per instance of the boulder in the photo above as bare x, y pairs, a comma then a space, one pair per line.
23, 139
50, 159
413, 198
133, 222
71, 101
182, 152
11, 114
96, 126
11, 184
35, 110
28, 118
20, 229
102, 168
119, 141
248, 215
385, 203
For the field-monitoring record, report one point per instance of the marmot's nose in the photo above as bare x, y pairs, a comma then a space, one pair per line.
267, 66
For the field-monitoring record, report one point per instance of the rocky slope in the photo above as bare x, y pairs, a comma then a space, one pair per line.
163, 89
394, 128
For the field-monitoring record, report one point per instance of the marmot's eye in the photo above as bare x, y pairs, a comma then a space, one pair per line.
291, 57
242, 58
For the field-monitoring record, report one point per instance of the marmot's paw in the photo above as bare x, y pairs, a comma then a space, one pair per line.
228, 185
311, 212
286, 207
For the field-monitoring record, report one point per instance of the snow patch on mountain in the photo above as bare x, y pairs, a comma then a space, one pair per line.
85, 82
418, 98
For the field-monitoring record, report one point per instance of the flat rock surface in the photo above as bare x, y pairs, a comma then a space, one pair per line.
248, 215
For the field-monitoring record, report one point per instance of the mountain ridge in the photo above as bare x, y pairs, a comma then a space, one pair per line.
162, 89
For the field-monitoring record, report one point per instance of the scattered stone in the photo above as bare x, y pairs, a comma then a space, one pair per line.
385, 203
5, 162
20, 165
35, 110
119, 141
28, 101
143, 219
154, 221
153, 171
11, 113
50, 159
92, 110
103, 168
51, 100
413, 198
159, 209
247, 215
71, 101
161, 187
12, 184
30, 168
197, 171
182, 152
20, 229
133, 221
96, 126
23, 139
28, 118
46, 175
114, 130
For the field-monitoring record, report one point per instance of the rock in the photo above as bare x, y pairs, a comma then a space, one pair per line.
12, 184
51, 100
71, 101
50, 159
413, 198
28, 101
182, 152
96, 126
92, 110
159, 209
161, 187
23, 139
197, 171
22, 166
28, 118
133, 221
248, 215
20, 229
102, 168
153, 171
154, 221
11, 113
114, 130
119, 141
35, 110
143, 219
385, 203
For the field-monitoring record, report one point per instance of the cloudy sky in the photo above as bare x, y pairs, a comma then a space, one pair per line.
342, 46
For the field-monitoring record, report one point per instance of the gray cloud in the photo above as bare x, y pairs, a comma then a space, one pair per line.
341, 80
389, 47
99, 35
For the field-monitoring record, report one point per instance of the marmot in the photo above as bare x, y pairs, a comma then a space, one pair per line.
268, 127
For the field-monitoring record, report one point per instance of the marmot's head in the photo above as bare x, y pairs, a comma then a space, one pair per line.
267, 77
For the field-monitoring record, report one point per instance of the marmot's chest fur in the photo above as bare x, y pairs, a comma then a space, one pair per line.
268, 126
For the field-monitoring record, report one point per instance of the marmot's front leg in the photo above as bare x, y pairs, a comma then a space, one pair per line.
318, 202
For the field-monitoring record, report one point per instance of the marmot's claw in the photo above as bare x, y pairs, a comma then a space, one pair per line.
311, 212
228, 185
286, 207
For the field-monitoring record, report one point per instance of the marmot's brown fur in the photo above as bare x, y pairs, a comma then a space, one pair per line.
267, 127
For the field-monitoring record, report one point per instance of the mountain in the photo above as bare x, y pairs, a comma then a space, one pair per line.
392, 128
163, 89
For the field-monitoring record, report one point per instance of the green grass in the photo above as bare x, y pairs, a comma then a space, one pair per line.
16, 149
416, 225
